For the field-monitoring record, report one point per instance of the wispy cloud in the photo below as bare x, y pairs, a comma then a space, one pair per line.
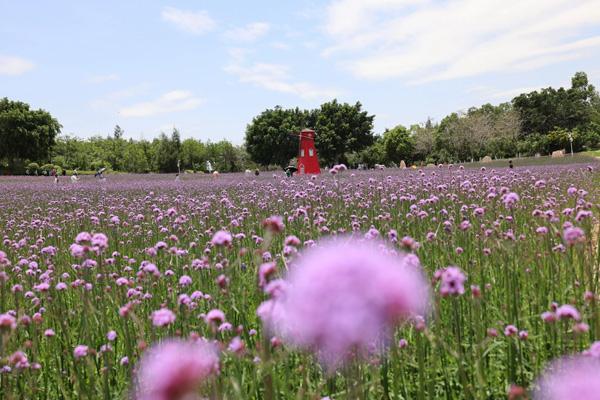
280, 46
196, 22
248, 33
422, 41
104, 78
176, 100
11, 65
274, 77
113, 99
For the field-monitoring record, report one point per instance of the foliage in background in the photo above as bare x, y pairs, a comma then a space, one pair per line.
341, 129
536, 122
142, 156
24, 133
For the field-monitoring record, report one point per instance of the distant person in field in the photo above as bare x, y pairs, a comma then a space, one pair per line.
510, 164
54, 174
99, 173
177, 178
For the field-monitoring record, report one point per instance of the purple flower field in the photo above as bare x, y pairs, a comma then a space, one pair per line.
391, 284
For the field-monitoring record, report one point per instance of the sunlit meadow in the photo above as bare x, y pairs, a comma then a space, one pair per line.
443, 283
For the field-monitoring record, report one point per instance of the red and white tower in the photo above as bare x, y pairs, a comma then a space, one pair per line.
308, 162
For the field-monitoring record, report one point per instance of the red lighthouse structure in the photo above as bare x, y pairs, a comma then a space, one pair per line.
308, 163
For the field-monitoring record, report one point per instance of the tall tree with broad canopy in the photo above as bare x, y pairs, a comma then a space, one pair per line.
25, 134
544, 111
342, 129
399, 145
269, 137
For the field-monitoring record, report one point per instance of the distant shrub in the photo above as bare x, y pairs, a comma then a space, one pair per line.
32, 168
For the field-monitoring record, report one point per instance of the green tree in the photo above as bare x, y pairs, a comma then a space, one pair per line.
25, 133
369, 156
193, 154
543, 111
134, 158
269, 137
118, 132
424, 140
167, 152
398, 145
341, 129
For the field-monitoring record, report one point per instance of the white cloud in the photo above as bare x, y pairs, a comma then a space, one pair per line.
10, 65
248, 33
113, 99
280, 46
276, 78
422, 41
176, 100
104, 78
512, 93
197, 22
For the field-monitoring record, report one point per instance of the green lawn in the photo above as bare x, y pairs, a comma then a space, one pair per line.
577, 158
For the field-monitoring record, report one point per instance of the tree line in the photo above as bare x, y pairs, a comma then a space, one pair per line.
166, 153
31, 144
535, 122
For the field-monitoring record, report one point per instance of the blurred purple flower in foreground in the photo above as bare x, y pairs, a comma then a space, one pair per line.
344, 297
574, 378
174, 369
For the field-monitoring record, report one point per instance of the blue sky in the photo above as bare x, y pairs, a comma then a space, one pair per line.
207, 67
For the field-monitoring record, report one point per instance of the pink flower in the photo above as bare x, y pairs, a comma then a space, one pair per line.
344, 297
567, 311
594, 350
100, 241
163, 317
77, 250
453, 280
510, 199
111, 336
510, 330
7, 322
573, 378
236, 345
581, 327
549, 317
174, 369
292, 241
274, 224
185, 280
83, 237
222, 238
19, 360
215, 317
573, 235
80, 351
49, 333
523, 335
264, 272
